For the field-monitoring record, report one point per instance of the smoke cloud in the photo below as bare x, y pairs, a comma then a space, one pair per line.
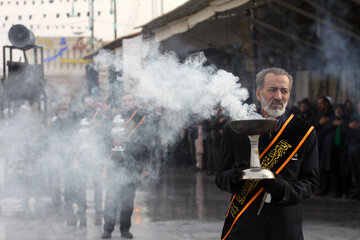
183, 93
49, 156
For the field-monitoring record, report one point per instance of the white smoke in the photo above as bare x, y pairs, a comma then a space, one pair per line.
187, 92
41, 158
37, 158
190, 86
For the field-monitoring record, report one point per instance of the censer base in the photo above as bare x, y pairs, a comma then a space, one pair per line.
257, 173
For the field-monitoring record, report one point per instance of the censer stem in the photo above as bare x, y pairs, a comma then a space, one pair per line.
254, 154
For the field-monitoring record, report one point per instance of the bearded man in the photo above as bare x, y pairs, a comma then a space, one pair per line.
280, 215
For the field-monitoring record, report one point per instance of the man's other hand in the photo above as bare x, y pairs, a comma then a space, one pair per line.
276, 186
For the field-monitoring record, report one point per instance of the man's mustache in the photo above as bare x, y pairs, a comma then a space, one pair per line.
277, 102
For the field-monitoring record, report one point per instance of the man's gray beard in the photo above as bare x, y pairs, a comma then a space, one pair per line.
272, 112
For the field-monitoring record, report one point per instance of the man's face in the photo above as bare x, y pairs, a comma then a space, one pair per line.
339, 112
88, 104
62, 112
304, 108
275, 94
321, 104
127, 102
349, 105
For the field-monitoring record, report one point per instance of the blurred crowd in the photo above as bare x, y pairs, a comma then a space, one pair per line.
74, 148
94, 145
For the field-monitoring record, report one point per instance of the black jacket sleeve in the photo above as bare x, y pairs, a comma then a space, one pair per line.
223, 176
302, 176
234, 151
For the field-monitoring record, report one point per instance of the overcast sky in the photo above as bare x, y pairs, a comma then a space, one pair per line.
48, 18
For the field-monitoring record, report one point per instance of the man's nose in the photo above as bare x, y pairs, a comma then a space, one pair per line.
278, 94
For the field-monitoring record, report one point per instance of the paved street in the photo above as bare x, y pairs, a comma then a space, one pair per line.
181, 205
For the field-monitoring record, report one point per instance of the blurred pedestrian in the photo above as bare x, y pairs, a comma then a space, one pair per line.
335, 153
127, 167
324, 114
87, 161
353, 146
306, 112
199, 147
217, 125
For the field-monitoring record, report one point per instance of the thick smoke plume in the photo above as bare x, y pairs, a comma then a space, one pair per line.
50, 156
183, 93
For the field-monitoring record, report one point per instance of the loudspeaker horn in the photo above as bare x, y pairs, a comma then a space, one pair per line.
20, 36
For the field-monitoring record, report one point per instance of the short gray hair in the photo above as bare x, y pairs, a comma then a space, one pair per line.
277, 71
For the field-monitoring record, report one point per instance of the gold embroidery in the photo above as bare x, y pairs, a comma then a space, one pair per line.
246, 189
268, 161
234, 210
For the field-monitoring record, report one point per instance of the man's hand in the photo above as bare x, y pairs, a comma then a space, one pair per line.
354, 124
337, 122
145, 174
323, 120
276, 186
237, 173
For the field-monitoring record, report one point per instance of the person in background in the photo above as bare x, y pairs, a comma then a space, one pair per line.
306, 112
127, 167
87, 161
199, 148
350, 111
325, 113
353, 147
335, 153
60, 132
217, 125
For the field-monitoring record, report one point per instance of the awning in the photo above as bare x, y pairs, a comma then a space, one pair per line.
187, 16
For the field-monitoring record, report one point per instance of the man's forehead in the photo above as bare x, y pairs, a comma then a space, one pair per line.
272, 79
127, 97
88, 100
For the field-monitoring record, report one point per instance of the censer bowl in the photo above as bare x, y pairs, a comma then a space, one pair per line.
253, 129
254, 126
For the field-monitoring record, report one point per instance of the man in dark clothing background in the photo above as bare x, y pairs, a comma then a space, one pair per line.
326, 112
306, 112
61, 129
281, 217
216, 132
352, 142
126, 168
88, 161
335, 159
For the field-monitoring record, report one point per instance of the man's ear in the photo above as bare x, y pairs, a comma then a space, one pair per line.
258, 94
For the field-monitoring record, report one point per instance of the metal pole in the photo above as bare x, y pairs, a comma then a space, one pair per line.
115, 23
162, 7
4, 64
92, 24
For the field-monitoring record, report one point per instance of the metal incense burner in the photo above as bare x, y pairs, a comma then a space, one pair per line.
84, 133
253, 129
117, 133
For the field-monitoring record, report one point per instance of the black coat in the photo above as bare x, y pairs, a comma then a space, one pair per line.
326, 156
282, 218
322, 131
